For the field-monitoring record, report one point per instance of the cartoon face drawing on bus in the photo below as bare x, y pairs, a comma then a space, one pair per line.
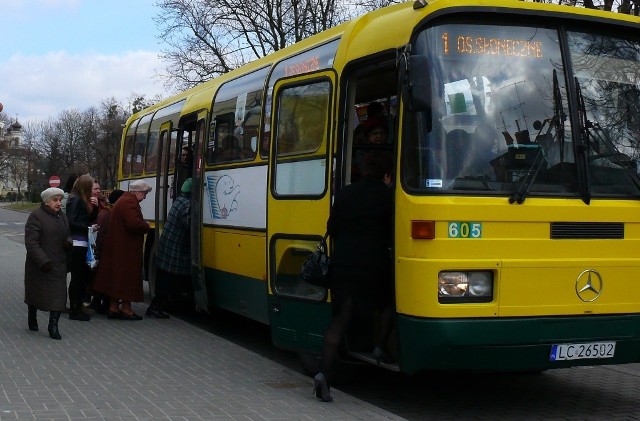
223, 191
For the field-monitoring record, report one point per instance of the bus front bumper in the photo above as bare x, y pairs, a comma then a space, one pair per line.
516, 344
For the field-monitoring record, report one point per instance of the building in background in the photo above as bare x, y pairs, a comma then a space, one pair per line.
14, 161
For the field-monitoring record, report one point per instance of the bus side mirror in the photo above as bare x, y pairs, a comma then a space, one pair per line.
416, 86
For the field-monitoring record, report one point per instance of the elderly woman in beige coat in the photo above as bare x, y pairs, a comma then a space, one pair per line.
47, 240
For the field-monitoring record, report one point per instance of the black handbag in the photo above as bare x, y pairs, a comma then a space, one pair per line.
315, 270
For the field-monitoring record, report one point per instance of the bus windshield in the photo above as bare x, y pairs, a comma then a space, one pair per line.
500, 123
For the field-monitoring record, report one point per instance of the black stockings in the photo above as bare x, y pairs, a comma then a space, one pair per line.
386, 324
334, 335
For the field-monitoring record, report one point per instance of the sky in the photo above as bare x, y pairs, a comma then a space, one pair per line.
58, 55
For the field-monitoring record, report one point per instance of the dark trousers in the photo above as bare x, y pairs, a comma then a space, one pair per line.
81, 276
168, 288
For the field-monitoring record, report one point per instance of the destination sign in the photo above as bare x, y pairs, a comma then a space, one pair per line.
492, 46
308, 65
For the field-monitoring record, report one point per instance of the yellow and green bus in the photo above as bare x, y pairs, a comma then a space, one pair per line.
515, 132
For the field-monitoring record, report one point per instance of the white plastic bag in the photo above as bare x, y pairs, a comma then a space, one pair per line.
92, 257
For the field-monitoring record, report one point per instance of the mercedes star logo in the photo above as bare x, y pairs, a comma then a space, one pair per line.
589, 285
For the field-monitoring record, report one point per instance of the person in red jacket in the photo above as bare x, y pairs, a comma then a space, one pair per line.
119, 273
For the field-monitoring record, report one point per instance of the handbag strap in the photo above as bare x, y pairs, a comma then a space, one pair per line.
323, 243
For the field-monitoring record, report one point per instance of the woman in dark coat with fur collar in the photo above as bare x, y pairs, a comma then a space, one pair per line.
47, 239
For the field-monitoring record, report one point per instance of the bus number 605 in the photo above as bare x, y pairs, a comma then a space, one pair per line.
465, 230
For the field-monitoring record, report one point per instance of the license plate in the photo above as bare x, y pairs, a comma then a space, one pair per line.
566, 352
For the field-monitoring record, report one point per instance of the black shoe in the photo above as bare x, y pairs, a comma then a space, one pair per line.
33, 319
53, 332
321, 388
381, 356
54, 316
157, 313
113, 315
79, 315
133, 316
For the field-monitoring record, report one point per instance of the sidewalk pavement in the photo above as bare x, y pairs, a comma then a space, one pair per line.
146, 370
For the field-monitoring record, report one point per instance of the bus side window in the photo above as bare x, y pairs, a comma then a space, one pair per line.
302, 118
138, 153
233, 135
140, 145
151, 157
125, 164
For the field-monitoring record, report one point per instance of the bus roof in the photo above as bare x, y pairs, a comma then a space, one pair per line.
365, 34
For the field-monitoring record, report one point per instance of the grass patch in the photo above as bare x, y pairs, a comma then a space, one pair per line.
22, 206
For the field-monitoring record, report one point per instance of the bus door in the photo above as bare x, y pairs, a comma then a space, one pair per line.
298, 205
197, 273
162, 198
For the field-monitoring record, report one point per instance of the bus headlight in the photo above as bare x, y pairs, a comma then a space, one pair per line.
465, 287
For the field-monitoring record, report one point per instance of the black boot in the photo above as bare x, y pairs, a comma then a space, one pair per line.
33, 318
54, 316
76, 313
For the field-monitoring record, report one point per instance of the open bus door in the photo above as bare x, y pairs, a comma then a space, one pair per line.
197, 274
298, 204
163, 196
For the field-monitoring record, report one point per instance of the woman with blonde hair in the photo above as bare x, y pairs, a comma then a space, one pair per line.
82, 210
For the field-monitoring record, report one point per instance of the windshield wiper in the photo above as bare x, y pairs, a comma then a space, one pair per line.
559, 116
520, 194
581, 147
524, 187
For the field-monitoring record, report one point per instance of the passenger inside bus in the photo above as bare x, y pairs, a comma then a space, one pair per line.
228, 149
375, 131
375, 110
184, 168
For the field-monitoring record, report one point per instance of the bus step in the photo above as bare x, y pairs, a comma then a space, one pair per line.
368, 357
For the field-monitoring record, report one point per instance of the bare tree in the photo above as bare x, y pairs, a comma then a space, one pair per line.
621, 6
107, 147
18, 168
206, 38
69, 131
50, 146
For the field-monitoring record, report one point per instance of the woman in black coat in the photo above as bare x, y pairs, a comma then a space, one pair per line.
47, 239
360, 227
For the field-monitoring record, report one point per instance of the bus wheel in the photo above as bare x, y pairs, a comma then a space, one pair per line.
310, 363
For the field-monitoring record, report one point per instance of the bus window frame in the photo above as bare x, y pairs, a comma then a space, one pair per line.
322, 152
144, 121
127, 148
232, 90
169, 113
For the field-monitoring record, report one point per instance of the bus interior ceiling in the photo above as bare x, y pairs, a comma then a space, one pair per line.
375, 85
